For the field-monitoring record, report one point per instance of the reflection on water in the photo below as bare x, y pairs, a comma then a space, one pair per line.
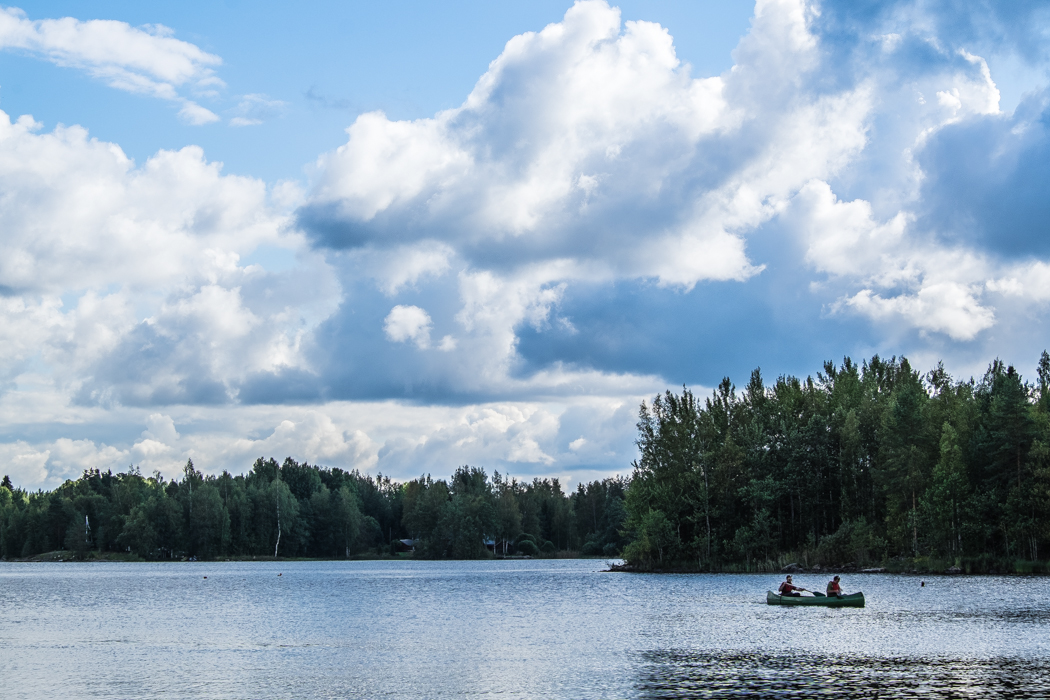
684, 674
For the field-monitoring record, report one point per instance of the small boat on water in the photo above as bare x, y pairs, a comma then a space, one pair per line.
853, 600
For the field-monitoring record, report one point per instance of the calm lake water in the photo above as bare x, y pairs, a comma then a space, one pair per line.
511, 629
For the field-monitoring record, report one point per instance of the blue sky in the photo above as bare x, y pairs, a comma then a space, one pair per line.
324, 62
402, 237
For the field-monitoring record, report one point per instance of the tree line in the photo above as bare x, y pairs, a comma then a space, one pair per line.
300, 510
862, 465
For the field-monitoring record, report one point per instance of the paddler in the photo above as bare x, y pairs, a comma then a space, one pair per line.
789, 589
834, 589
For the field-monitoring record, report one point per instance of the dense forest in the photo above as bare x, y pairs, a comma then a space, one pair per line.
874, 464
864, 465
301, 510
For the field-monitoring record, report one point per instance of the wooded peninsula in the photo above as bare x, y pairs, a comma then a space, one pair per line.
870, 465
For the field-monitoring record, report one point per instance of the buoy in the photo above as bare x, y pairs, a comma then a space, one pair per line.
923, 584
205, 577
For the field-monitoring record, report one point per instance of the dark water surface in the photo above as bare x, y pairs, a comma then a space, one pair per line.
512, 629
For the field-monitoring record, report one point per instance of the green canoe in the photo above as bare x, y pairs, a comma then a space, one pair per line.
853, 600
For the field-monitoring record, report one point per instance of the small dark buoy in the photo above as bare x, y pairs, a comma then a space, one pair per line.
922, 585
205, 577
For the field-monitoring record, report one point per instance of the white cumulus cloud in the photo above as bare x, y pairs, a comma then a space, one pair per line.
146, 60
408, 323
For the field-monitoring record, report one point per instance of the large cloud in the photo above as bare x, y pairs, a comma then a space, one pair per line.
125, 280
589, 146
586, 153
945, 214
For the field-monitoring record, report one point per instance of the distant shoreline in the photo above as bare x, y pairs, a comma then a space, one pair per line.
64, 556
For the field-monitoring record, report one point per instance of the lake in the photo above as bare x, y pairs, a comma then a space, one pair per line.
506, 629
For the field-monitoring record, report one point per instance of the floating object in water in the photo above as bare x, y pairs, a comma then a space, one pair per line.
853, 600
205, 577
922, 585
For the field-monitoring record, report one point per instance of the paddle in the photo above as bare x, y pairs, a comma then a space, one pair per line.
816, 594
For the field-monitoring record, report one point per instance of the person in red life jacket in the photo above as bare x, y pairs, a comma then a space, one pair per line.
789, 589
834, 589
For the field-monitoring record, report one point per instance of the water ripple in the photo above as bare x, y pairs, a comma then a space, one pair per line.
686, 674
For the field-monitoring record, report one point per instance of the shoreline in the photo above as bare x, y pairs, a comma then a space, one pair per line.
1020, 568
65, 556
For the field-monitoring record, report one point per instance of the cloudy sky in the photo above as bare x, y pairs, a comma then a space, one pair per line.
402, 237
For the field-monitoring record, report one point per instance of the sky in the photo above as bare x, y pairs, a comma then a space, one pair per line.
402, 237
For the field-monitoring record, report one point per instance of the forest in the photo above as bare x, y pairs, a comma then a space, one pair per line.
301, 510
869, 465
863, 465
